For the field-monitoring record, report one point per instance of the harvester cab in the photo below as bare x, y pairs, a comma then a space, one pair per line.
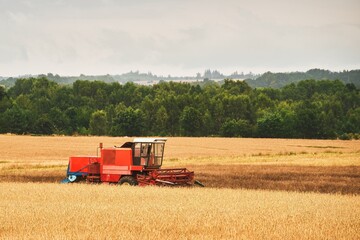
133, 163
148, 152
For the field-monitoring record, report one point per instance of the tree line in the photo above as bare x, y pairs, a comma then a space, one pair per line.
268, 79
308, 109
279, 80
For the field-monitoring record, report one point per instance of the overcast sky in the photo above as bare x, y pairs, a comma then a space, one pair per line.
177, 37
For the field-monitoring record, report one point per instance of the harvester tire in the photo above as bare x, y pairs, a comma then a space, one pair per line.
72, 178
128, 180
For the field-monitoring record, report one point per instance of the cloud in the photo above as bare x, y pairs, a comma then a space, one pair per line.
176, 37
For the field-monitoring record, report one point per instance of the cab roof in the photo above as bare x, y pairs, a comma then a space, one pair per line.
143, 140
149, 140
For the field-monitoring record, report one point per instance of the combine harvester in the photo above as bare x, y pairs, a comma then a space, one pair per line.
134, 163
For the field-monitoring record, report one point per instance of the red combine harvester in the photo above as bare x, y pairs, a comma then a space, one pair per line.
134, 163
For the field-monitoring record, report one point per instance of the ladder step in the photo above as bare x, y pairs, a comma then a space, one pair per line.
93, 178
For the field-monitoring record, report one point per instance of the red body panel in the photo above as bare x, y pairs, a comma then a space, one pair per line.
114, 163
80, 163
119, 157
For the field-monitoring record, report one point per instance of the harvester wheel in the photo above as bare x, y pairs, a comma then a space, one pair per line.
72, 178
128, 180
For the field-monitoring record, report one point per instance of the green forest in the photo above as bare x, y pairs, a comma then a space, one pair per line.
325, 109
279, 80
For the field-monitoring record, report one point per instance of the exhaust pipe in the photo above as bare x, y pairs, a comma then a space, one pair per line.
100, 147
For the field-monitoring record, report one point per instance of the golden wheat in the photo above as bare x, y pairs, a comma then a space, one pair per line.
54, 211
28, 149
298, 159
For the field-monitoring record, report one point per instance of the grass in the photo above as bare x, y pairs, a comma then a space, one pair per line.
48, 211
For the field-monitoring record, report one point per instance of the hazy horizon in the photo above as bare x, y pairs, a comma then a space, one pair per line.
173, 76
179, 38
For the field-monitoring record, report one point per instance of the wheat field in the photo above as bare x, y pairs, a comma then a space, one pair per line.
241, 201
28, 149
79, 211
327, 166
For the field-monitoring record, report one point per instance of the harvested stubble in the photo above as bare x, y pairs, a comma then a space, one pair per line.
326, 179
54, 211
